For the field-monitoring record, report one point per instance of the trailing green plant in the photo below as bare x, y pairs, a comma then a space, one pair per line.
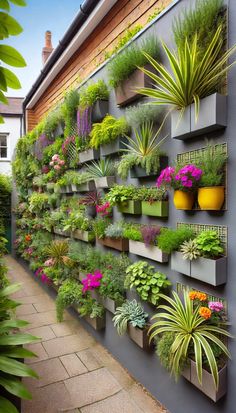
108, 130
51, 121
190, 250
203, 19
103, 167
195, 327
70, 293
129, 59
69, 108
190, 78
209, 244
130, 312
171, 240
142, 150
143, 113
76, 220
93, 92
148, 282
38, 202
123, 40
212, 162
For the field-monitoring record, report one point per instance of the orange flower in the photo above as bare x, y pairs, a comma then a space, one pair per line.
192, 295
201, 296
205, 312
28, 238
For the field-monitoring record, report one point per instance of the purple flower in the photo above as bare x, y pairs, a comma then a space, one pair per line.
216, 306
149, 234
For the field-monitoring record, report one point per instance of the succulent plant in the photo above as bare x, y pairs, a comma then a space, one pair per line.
190, 250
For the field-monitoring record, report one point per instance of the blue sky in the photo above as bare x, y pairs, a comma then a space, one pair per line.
37, 17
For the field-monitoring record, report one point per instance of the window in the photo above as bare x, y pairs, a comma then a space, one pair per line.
3, 147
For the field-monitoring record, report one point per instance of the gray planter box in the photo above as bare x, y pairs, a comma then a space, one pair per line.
86, 236
140, 337
210, 271
89, 155
139, 172
86, 187
100, 110
105, 181
61, 190
69, 189
59, 131
61, 232
152, 252
212, 116
75, 188
207, 386
98, 323
114, 147
179, 264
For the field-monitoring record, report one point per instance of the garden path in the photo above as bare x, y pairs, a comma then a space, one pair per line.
76, 373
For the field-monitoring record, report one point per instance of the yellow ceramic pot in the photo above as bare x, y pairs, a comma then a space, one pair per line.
211, 198
183, 200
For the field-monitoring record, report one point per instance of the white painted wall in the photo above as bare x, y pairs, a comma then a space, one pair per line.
12, 127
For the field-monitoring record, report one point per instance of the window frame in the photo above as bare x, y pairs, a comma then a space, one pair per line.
5, 134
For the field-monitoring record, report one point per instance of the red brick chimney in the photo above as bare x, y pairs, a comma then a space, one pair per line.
47, 49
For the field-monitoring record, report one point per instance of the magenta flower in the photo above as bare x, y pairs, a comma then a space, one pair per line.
45, 279
91, 281
49, 263
216, 306
103, 209
166, 176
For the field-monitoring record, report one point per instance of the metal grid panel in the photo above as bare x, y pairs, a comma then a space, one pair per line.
193, 156
221, 230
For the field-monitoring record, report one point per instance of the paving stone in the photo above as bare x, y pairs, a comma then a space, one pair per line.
144, 399
33, 299
49, 371
90, 360
25, 309
91, 387
73, 365
119, 403
66, 328
43, 319
44, 333
66, 345
38, 349
45, 306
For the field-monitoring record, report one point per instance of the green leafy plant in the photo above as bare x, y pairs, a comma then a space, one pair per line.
130, 312
146, 281
133, 232
113, 270
73, 177
108, 130
192, 331
38, 201
93, 92
103, 167
76, 220
70, 293
100, 225
52, 120
209, 244
124, 39
212, 162
142, 150
191, 78
121, 193
143, 113
69, 108
190, 250
58, 251
129, 59
171, 240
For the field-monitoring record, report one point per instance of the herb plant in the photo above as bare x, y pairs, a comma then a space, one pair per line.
209, 244
103, 167
70, 293
93, 92
115, 230
130, 312
171, 240
212, 162
108, 130
143, 113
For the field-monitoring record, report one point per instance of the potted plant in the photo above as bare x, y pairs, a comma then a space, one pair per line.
154, 202
192, 332
190, 105
132, 318
79, 226
90, 201
123, 73
103, 173
114, 237
142, 153
95, 95
109, 135
143, 241
126, 198
206, 257
147, 282
79, 181
184, 181
211, 191
170, 241
89, 154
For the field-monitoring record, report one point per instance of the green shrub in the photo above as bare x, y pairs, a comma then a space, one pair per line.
99, 226
143, 113
38, 201
130, 312
209, 244
70, 293
69, 109
212, 162
107, 131
125, 38
133, 232
164, 344
93, 92
127, 61
170, 240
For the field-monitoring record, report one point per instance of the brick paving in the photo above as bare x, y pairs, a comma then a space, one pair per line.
76, 373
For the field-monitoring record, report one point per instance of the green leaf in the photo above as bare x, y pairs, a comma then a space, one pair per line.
12, 26
6, 406
11, 56
18, 352
16, 368
4, 5
11, 79
3, 82
3, 98
21, 3
1, 120
17, 339
14, 386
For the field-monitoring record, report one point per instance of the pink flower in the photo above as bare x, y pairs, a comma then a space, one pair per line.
216, 306
51, 163
45, 279
61, 162
91, 281
55, 157
165, 177
57, 167
49, 263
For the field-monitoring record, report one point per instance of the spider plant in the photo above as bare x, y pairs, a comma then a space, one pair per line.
58, 251
143, 150
191, 331
103, 167
91, 198
190, 78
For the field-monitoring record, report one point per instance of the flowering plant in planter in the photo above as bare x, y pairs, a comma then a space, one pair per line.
104, 210
57, 163
91, 281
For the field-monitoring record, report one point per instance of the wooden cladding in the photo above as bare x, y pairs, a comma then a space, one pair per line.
124, 14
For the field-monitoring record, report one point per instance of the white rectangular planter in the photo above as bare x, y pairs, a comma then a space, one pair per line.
105, 181
85, 236
61, 232
179, 264
89, 155
87, 186
152, 252
210, 271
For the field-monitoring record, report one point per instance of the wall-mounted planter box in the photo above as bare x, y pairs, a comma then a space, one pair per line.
50, 187
113, 147
120, 244
89, 155
105, 181
210, 271
59, 131
139, 336
152, 252
86, 236
86, 187
212, 116
61, 190
69, 189
139, 172
125, 93
91, 211
155, 209
179, 264
100, 110
61, 232
130, 207
207, 386
98, 323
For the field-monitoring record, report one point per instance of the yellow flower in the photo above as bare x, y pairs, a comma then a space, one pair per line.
201, 296
192, 295
205, 312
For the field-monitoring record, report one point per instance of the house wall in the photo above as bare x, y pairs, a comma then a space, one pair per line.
12, 127
90, 55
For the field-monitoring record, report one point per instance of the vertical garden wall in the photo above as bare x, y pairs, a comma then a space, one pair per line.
59, 172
